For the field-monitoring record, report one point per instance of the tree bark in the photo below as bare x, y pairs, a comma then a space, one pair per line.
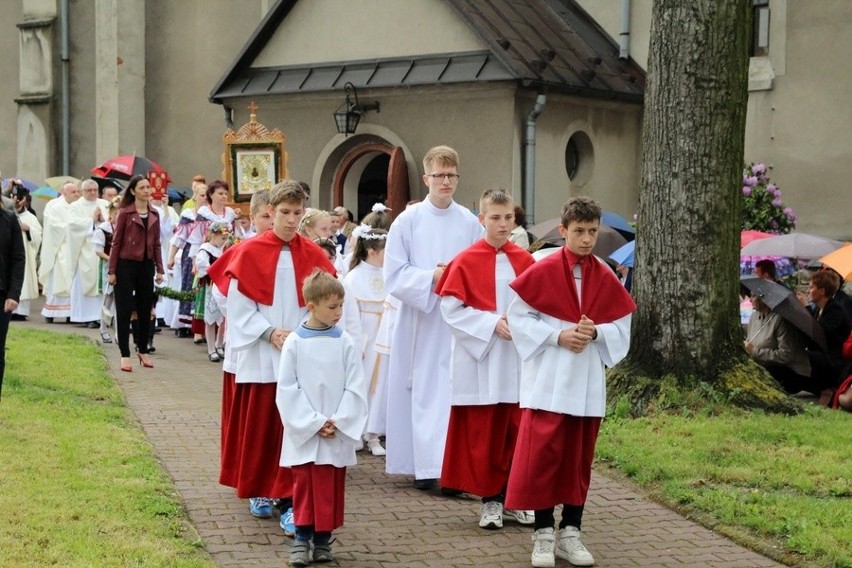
687, 257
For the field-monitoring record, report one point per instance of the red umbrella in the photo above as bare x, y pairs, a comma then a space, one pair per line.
751, 235
125, 167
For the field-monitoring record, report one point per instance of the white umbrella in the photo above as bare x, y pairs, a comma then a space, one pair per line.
792, 245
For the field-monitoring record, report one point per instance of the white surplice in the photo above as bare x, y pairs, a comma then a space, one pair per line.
248, 320
319, 378
484, 368
55, 270
86, 302
556, 379
32, 242
422, 237
166, 308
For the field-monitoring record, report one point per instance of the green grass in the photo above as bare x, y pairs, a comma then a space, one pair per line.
79, 485
780, 484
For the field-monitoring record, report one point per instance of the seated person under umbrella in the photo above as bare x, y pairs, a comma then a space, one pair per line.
778, 346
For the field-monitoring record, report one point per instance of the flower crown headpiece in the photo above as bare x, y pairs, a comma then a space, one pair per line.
380, 208
219, 228
362, 231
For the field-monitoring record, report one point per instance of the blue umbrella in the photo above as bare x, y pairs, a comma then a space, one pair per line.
625, 255
619, 223
45, 192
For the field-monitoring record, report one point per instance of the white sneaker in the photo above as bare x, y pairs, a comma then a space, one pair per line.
543, 544
569, 547
520, 517
491, 515
375, 447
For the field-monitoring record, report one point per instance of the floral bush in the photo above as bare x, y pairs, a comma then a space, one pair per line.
763, 209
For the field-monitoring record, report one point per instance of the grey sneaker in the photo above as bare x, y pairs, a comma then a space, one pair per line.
520, 517
300, 554
543, 545
570, 547
491, 515
322, 553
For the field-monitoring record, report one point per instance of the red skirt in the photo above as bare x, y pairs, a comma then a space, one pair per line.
198, 326
553, 460
318, 494
251, 443
479, 449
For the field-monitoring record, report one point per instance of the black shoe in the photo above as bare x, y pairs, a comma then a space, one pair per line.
161, 323
425, 484
183, 332
94, 325
19, 317
214, 357
450, 492
48, 320
151, 348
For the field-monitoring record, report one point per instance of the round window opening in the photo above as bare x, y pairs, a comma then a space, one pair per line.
579, 157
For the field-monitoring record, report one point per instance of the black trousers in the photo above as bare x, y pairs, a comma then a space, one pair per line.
5, 318
134, 292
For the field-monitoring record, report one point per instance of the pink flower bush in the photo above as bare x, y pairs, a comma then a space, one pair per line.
763, 209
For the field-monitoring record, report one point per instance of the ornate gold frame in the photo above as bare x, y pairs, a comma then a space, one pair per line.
255, 158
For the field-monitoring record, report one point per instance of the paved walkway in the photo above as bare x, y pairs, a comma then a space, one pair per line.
388, 522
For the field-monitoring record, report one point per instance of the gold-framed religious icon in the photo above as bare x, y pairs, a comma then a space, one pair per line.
255, 159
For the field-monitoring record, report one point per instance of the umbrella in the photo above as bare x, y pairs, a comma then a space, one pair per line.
125, 167
625, 255
30, 186
751, 235
104, 182
56, 182
781, 300
840, 260
792, 245
45, 192
618, 223
608, 238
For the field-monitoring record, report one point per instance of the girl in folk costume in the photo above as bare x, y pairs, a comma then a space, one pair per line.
206, 312
166, 308
102, 239
185, 243
262, 278
365, 283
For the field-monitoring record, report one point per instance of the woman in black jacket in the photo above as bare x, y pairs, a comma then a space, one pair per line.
133, 260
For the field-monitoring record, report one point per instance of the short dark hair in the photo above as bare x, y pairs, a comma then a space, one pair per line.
766, 266
214, 185
520, 216
580, 209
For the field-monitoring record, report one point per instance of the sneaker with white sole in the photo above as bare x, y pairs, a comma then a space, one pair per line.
543, 545
260, 507
300, 554
491, 515
286, 522
520, 517
571, 548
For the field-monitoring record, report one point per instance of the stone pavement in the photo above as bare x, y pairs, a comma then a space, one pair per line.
388, 522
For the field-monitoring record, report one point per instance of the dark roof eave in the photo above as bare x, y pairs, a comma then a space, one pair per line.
255, 44
547, 87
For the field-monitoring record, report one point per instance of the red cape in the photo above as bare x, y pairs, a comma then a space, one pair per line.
253, 263
549, 287
470, 275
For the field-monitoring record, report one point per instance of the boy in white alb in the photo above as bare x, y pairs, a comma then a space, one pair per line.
485, 367
422, 240
570, 321
322, 399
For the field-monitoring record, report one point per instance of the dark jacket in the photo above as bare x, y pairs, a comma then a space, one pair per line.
836, 326
13, 259
133, 240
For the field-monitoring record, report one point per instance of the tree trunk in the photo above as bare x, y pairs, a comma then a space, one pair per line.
687, 257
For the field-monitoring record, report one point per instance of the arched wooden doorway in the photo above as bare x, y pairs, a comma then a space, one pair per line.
396, 189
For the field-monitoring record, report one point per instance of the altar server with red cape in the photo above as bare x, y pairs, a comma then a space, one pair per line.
485, 367
570, 321
262, 279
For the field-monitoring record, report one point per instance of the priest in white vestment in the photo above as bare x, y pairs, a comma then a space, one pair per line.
55, 270
86, 213
422, 240
31, 232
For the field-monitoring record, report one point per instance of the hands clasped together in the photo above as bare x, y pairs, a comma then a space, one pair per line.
328, 429
577, 338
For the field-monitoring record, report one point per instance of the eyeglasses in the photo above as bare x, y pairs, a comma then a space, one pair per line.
442, 177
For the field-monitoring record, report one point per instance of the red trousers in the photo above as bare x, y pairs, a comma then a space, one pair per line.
318, 495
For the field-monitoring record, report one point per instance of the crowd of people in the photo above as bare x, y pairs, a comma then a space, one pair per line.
482, 368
